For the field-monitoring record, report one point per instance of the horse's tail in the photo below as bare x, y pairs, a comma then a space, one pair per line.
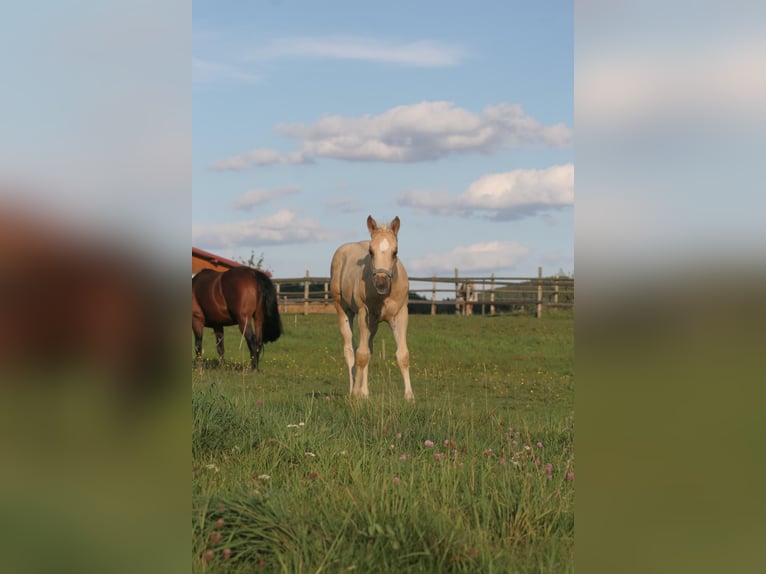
272, 322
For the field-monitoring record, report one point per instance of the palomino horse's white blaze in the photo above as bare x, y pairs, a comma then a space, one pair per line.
368, 280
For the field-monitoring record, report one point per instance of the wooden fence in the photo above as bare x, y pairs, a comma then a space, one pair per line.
459, 295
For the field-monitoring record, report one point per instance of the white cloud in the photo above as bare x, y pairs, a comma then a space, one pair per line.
261, 157
424, 131
280, 228
206, 72
502, 196
421, 53
410, 133
721, 82
254, 197
476, 258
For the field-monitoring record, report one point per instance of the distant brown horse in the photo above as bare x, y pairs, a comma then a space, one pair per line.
368, 279
240, 296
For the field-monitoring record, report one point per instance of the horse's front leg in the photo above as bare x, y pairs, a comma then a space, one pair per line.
362, 356
368, 326
399, 328
344, 323
198, 325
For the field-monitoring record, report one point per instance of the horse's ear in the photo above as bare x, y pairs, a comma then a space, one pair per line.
395, 225
372, 225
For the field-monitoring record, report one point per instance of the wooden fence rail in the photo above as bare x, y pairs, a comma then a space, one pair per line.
491, 294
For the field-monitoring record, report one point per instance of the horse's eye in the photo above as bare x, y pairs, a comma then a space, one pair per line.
396, 253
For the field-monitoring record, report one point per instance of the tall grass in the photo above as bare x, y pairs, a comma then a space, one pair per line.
291, 475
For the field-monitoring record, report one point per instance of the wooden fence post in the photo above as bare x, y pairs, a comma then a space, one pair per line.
433, 297
306, 293
457, 294
492, 294
483, 294
556, 293
326, 293
539, 292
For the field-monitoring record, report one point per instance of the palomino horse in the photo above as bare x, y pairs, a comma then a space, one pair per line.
368, 279
239, 296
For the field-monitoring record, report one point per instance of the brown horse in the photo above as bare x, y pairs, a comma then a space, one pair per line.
81, 307
240, 296
368, 279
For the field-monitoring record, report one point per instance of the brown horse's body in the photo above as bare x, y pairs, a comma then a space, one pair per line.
240, 296
79, 307
368, 281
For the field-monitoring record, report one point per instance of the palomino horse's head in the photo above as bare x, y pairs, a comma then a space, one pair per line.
383, 250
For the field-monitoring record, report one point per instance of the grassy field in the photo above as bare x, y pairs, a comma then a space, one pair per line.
290, 475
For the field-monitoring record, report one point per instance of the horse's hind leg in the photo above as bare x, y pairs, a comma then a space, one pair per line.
252, 333
218, 330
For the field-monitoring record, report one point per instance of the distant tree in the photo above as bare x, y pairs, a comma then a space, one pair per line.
425, 308
417, 309
252, 261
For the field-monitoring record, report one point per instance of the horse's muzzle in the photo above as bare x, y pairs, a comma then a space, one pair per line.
382, 280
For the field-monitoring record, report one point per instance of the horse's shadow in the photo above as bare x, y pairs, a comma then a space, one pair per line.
216, 364
325, 395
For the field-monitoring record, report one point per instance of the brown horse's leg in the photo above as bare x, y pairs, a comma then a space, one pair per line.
253, 338
218, 330
198, 324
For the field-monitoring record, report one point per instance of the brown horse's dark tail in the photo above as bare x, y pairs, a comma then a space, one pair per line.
272, 322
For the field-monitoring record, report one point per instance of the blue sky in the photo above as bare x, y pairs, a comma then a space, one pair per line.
456, 117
